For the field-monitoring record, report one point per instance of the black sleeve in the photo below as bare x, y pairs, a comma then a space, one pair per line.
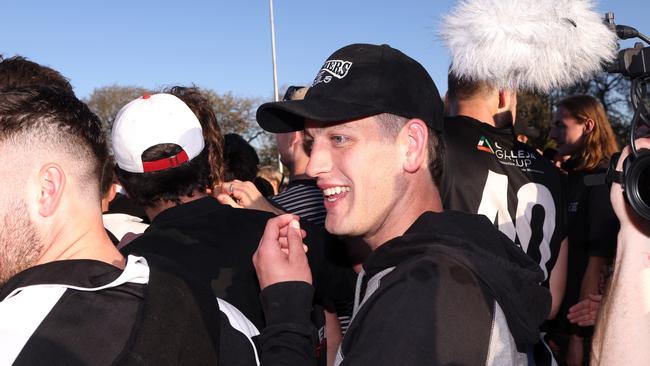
435, 314
603, 223
289, 337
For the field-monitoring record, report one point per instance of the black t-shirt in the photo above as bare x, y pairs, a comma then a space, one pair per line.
487, 171
215, 244
592, 231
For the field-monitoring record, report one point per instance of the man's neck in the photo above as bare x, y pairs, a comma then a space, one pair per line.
82, 239
413, 203
475, 109
155, 210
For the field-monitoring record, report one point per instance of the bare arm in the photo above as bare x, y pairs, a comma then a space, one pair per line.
557, 281
590, 286
623, 327
240, 194
591, 280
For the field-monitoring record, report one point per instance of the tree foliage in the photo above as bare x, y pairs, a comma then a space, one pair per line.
106, 101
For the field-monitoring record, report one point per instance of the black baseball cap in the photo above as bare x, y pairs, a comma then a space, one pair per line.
358, 81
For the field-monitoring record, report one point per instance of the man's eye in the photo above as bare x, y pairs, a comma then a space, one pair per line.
307, 146
338, 139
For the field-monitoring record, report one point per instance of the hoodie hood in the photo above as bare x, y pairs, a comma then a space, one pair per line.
509, 275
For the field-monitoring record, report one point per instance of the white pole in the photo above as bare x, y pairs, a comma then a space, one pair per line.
276, 94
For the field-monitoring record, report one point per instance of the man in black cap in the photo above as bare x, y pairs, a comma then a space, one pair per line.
438, 287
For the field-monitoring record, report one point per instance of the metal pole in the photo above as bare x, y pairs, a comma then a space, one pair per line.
276, 94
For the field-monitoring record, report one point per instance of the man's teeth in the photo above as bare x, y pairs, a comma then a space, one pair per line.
335, 190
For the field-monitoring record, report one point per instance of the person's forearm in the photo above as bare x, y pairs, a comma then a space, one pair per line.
263, 204
623, 330
591, 280
557, 280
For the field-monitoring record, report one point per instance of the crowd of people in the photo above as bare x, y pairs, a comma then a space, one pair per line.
412, 229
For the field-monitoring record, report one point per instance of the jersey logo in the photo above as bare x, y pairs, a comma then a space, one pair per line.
519, 158
484, 145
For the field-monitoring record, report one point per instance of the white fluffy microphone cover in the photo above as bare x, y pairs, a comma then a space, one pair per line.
535, 45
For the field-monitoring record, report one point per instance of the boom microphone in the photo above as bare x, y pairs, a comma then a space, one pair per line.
535, 45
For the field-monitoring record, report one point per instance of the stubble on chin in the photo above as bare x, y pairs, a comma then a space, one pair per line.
20, 245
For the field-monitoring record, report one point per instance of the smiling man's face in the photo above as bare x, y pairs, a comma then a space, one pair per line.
359, 170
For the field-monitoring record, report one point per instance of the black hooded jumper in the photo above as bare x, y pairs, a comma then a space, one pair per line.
452, 290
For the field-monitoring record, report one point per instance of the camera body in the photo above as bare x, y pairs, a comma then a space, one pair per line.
635, 180
632, 62
635, 64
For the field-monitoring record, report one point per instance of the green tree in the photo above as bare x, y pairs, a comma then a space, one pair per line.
106, 101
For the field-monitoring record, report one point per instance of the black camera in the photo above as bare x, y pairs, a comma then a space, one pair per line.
634, 179
635, 64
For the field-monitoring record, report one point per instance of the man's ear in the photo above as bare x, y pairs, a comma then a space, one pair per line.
505, 100
296, 137
51, 179
589, 125
112, 192
416, 147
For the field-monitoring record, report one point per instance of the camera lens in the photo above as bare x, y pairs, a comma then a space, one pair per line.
644, 185
637, 183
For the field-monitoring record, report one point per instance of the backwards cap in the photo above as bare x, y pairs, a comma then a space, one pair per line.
152, 120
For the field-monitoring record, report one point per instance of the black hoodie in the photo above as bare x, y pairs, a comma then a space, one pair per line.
429, 297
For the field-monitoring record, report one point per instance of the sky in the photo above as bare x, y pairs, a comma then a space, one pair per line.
226, 45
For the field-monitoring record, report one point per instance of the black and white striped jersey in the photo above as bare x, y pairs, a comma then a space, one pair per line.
87, 312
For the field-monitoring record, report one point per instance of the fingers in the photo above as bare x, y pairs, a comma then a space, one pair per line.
585, 312
226, 199
579, 306
285, 230
284, 243
624, 154
296, 246
269, 243
274, 225
596, 297
228, 187
245, 193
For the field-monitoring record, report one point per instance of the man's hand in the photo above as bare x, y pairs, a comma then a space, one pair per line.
240, 194
280, 256
628, 218
584, 312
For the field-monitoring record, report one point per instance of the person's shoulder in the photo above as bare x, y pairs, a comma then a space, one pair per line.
436, 267
456, 126
453, 223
